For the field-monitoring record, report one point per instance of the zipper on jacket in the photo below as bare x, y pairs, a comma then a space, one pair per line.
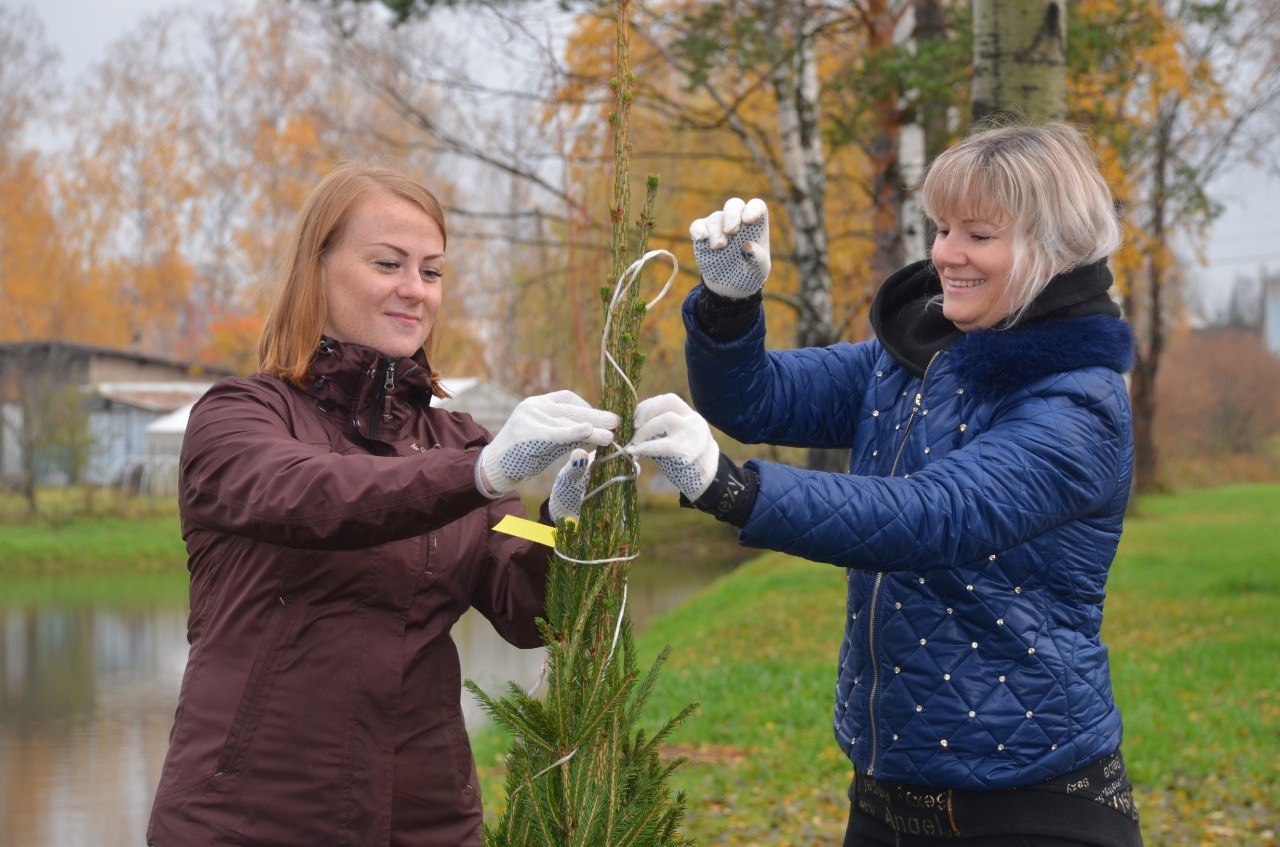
380, 410
875, 590
912, 419
875, 675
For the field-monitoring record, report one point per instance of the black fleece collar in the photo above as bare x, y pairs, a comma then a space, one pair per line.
912, 330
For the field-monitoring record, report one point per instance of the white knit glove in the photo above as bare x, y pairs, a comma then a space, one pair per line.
540, 430
731, 248
679, 440
570, 486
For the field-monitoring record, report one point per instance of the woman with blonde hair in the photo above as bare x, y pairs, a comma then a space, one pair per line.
992, 450
337, 526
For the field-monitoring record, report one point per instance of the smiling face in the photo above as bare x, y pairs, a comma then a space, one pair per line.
382, 280
974, 259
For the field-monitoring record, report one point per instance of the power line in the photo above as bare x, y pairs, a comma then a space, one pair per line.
1244, 260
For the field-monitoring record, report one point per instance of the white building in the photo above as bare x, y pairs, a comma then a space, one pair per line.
118, 391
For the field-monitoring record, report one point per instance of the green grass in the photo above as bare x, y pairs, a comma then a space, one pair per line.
79, 530
1193, 623
146, 535
120, 589
77, 544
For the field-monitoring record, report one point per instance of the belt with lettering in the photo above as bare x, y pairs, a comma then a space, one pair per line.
947, 813
906, 808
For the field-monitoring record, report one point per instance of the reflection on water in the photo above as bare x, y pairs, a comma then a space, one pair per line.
86, 700
89, 677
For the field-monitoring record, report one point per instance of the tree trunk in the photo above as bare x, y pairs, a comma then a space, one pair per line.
888, 198
1020, 59
804, 165
1142, 393
796, 90
887, 189
931, 25
1147, 314
920, 141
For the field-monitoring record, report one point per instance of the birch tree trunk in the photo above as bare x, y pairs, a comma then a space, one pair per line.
804, 166
1020, 59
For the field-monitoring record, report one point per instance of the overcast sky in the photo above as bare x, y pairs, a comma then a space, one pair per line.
1246, 238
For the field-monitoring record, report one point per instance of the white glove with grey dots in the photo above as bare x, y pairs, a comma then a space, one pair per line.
679, 440
731, 248
540, 430
570, 486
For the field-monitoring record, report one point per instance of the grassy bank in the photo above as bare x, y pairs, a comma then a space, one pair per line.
76, 544
80, 530
1192, 616
120, 535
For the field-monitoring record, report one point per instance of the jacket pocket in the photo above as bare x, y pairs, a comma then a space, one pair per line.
257, 689
464, 768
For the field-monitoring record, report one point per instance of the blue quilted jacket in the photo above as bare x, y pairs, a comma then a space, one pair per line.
977, 524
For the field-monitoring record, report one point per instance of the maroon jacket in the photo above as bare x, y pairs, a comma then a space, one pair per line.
334, 537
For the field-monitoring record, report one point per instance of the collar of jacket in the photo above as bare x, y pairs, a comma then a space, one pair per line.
990, 363
352, 379
1074, 323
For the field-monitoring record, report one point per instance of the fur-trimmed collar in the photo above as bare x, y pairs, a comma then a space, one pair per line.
994, 362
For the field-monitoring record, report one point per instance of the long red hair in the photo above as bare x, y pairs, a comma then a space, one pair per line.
296, 320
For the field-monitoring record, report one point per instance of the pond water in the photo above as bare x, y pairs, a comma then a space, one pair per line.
90, 667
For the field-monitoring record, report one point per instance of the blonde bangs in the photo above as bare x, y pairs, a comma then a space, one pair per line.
1041, 183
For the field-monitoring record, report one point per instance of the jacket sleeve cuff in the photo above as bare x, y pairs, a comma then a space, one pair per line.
731, 495
726, 318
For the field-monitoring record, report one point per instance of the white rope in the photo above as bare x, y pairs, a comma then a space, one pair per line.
617, 632
628, 278
542, 675
557, 763
617, 629
619, 452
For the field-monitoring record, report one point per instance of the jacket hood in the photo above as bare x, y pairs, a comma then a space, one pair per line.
911, 328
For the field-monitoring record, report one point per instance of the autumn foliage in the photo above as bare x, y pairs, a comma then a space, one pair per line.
155, 221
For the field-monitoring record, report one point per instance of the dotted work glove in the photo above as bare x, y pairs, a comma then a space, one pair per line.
731, 248
679, 440
540, 430
570, 486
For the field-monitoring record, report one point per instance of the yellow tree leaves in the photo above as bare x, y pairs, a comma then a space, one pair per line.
130, 189
730, 104
1173, 92
43, 293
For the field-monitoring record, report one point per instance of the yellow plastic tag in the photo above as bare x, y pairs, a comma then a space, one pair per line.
539, 533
